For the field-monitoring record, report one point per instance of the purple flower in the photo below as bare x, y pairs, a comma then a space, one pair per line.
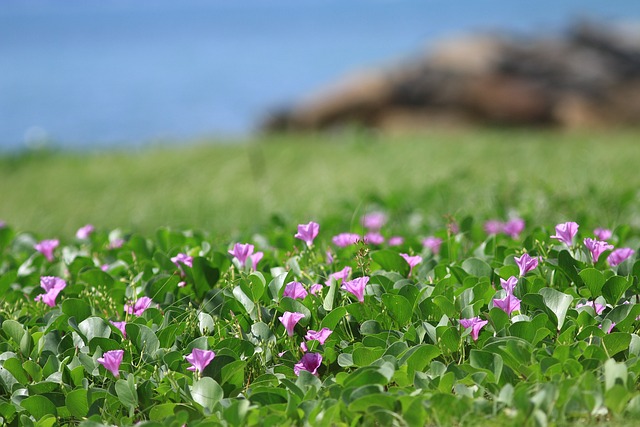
111, 360
412, 261
46, 247
475, 323
514, 227
597, 307
104, 267
619, 255
52, 286
329, 259
526, 263
453, 227
509, 284
255, 259
374, 221
343, 240
315, 288
83, 233
139, 307
602, 233
199, 359
290, 320
295, 290
596, 247
508, 304
433, 243
182, 284
565, 232
307, 232
115, 243
493, 227
320, 336
339, 275
309, 362
121, 327
242, 252
182, 259
373, 238
396, 241
356, 287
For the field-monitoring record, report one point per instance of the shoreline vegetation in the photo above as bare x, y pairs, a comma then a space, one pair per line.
231, 188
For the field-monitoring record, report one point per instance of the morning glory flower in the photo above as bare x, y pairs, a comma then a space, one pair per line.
509, 284
295, 290
565, 232
412, 261
242, 252
115, 243
508, 304
602, 233
356, 287
308, 232
374, 221
343, 240
329, 259
315, 288
596, 247
309, 362
83, 233
339, 275
514, 227
199, 359
597, 307
290, 320
619, 255
46, 248
320, 336
139, 306
373, 238
52, 286
255, 259
120, 326
475, 323
182, 259
526, 263
396, 241
493, 226
433, 243
111, 360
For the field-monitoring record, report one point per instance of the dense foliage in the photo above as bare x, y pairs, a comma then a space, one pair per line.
462, 324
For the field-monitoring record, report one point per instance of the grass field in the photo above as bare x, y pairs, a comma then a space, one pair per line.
235, 187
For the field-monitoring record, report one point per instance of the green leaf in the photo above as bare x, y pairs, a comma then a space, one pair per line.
594, 280
14, 330
418, 357
94, 327
205, 276
144, 340
616, 342
488, 361
293, 305
39, 406
477, 267
77, 403
332, 318
363, 356
126, 392
614, 373
614, 288
569, 267
207, 393
77, 308
391, 261
14, 366
258, 284
399, 308
558, 302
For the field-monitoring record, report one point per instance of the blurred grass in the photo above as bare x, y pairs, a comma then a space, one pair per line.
545, 176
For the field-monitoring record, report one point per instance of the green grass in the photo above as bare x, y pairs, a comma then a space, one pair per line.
547, 177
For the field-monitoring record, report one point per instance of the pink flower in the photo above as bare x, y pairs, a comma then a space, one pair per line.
329, 259
565, 232
475, 323
46, 248
255, 259
412, 261
182, 284
453, 227
509, 284
596, 247
493, 227
339, 275
290, 320
597, 307
602, 233
111, 360
396, 241
343, 240
508, 304
320, 336
526, 263
139, 307
104, 267
315, 288
121, 327
356, 287
52, 286
433, 243
308, 232
83, 233
182, 259
373, 238
309, 362
514, 227
242, 252
199, 359
295, 290
619, 255
115, 243
374, 221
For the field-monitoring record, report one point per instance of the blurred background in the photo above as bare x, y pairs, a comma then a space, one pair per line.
89, 74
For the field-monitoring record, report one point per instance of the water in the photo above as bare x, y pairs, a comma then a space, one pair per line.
104, 73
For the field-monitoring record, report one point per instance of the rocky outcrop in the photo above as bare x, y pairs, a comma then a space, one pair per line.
588, 77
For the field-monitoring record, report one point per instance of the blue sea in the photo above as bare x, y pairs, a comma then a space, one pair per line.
95, 74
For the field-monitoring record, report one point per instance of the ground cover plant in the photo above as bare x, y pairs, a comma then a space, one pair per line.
469, 322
